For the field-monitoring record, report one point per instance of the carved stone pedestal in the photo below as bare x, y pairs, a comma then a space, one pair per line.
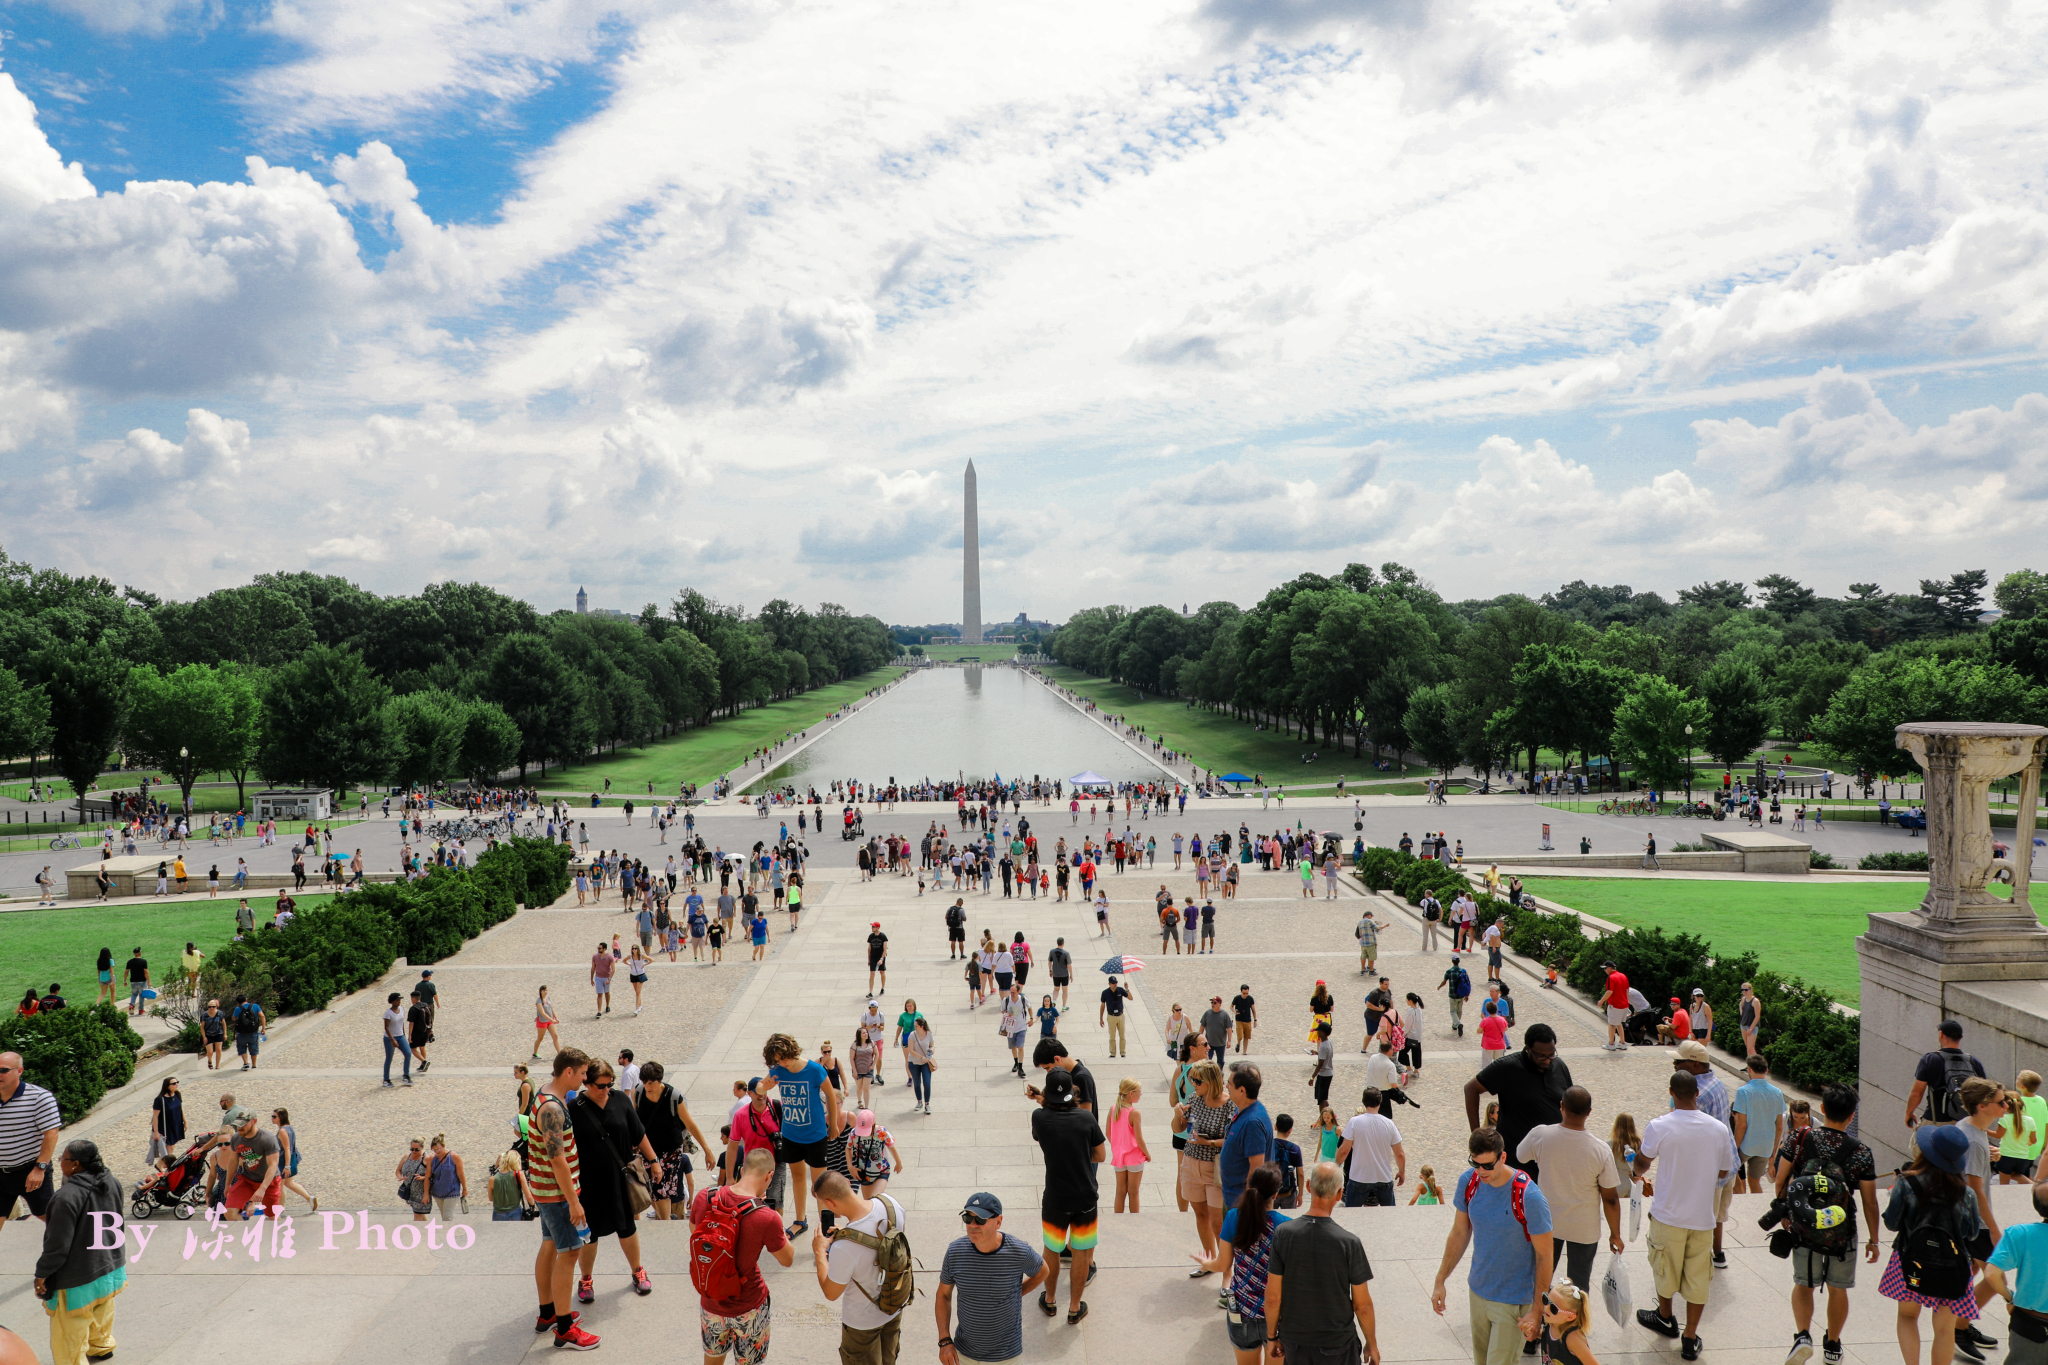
1966, 953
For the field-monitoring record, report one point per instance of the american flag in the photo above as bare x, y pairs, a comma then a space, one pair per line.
1123, 966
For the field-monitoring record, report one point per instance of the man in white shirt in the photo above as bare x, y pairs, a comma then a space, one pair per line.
1694, 1154
629, 1073
1376, 1160
1384, 1074
1577, 1177
866, 1333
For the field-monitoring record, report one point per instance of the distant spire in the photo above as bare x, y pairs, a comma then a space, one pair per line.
582, 602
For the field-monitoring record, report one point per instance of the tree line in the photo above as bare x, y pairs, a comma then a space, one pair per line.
1379, 660
307, 678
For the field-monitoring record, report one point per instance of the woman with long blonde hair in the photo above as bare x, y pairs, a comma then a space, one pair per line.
1128, 1153
1204, 1117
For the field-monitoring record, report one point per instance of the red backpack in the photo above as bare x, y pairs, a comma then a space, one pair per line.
714, 1247
1515, 1189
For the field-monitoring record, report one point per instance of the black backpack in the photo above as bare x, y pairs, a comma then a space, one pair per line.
1945, 1100
1932, 1260
1818, 1208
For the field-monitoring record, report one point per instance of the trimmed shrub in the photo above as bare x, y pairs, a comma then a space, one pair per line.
1547, 937
1819, 860
77, 1054
1894, 862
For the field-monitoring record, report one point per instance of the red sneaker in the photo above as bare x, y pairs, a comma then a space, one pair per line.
642, 1285
541, 1324
575, 1339
585, 1293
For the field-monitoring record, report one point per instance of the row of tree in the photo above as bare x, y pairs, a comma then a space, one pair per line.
1379, 659
301, 678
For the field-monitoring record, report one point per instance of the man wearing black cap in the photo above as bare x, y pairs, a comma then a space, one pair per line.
1111, 1012
1072, 1143
990, 1271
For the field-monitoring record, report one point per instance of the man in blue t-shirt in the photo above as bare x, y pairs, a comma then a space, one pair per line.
1511, 1251
810, 1115
1248, 1143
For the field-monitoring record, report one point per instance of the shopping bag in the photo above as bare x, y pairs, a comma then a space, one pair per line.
1635, 1209
1615, 1293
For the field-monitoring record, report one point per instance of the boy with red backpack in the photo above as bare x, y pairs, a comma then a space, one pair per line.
730, 1227
1502, 1210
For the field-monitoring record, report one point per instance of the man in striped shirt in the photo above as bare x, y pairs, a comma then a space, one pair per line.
555, 1177
990, 1272
28, 1139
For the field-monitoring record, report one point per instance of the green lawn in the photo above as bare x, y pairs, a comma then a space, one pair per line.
1216, 739
41, 946
1809, 931
701, 754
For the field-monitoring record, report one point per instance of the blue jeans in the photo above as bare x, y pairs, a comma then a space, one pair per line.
1368, 1193
921, 1082
399, 1045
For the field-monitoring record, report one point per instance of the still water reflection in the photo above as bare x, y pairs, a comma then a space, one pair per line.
976, 722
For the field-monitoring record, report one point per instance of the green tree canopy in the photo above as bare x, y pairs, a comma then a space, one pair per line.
324, 722
1649, 730
1859, 728
1741, 714
201, 718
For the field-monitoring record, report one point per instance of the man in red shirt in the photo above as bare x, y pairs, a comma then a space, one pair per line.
1677, 1026
738, 1323
1616, 1000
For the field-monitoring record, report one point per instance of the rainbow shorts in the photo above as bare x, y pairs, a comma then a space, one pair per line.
1066, 1231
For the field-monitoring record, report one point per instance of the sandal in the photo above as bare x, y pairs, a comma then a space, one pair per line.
1047, 1306
1074, 1318
798, 1228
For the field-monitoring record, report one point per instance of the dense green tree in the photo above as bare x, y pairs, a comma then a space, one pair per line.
1786, 596
2022, 643
490, 741
1807, 677
532, 684
24, 716
2022, 594
201, 718
427, 731
1433, 726
1858, 730
87, 688
1741, 711
1649, 731
1717, 594
1956, 602
324, 722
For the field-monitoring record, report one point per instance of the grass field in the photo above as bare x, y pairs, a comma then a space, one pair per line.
41, 946
1809, 931
702, 754
1215, 739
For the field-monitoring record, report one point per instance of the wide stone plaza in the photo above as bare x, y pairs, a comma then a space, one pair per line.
706, 1023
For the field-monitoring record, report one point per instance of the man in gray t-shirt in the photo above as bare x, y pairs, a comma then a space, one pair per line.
727, 907
1316, 1285
1326, 1063
1215, 1023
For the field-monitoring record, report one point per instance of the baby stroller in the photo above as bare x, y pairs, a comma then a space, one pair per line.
176, 1183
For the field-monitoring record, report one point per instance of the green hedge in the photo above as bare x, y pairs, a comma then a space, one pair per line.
77, 1054
1894, 862
1809, 1043
351, 941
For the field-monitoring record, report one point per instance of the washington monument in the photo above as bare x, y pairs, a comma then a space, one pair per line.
970, 567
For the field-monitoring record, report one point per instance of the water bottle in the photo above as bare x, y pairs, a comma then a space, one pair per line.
583, 1233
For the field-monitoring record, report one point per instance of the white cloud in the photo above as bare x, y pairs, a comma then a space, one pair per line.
1526, 499
141, 16
1844, 431
1249, 507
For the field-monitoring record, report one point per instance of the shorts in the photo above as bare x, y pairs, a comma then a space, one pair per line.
745, 1337
1756, 1167
1616, 1015
601, 985
1059, 982
1133, 1168
1724, 1196
1198, 1182
1067, 1230
2014, 1165
105, 977
542, 1025
1017, 1038
811, 1154
878, 964
1681, 1261
1812, 1269
1187, 935
245, 1044
1003, 981
14, 1186
244, 1189
1493, 957
1247, 1334
957, 935
556, 1226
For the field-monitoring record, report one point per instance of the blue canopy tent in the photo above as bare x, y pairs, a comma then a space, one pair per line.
1233, 777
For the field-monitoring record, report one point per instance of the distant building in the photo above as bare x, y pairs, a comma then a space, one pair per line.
582, 602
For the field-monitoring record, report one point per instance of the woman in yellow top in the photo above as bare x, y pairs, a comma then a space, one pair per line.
191, 961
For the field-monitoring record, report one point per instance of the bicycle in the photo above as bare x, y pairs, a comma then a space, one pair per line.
65, 841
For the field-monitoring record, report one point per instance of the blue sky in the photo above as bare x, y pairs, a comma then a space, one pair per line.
645, 293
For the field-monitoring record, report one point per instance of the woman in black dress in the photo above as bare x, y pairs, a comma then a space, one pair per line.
608, 1135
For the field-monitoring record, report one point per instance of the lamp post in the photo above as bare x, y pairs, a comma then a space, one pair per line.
185, 776
1688, 765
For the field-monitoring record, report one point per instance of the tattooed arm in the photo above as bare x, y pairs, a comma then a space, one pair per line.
554, 1121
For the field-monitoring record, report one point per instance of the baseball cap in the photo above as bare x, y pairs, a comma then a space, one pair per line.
1674, 999
1692, 1050
982, 1204
875, 925
237, 1116
1059, 1089
1698, 993
1215, 999
864, 1123
1943, 1145
754, 1084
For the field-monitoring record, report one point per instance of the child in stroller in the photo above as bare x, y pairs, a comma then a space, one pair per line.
177, 1183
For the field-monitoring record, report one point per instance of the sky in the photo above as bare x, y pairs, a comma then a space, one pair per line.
640, 294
